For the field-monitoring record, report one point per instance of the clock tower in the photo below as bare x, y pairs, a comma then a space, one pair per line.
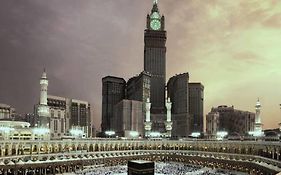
155, 57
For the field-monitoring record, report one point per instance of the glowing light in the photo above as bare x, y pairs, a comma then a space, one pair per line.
195, 134
155, 134
6, 129
41, 131
221, 134
110, 133
76, 132
155, 15
134, 133
256, 133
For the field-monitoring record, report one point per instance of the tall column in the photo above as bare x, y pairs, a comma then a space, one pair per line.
169, 123
258, 125
43, 109
147, 123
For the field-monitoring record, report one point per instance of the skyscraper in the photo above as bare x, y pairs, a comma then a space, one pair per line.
113, 91
151, 83
138, 87
196, 106
128, 116
155, 56
179, 93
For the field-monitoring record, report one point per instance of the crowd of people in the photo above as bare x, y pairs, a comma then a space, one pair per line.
161, 168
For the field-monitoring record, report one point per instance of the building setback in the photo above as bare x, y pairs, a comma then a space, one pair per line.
233, 121
128, 116
124, 103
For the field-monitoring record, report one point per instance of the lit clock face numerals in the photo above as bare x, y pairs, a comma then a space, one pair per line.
155, 24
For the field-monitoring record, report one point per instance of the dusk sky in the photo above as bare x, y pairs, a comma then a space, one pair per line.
232, 46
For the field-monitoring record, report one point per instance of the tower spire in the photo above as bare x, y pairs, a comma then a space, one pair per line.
155, 6
44, 74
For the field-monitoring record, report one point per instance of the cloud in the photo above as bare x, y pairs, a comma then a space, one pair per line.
233, 47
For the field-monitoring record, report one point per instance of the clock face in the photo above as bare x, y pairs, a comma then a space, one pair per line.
155, 24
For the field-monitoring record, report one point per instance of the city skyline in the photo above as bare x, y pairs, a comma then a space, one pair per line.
78, 44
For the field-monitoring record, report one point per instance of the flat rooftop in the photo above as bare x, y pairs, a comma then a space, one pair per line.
140, 161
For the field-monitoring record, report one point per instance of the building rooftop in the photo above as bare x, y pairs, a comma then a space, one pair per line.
140, 161
2, 105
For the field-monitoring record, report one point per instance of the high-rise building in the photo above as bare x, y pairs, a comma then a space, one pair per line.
66, 113
128, 117
6, 112
58, 117
138, 87
178, 92
196, 106
151, 83
155, 57
113, 91
80, 115
233, 121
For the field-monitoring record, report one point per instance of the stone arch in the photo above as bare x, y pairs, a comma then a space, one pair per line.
91, 148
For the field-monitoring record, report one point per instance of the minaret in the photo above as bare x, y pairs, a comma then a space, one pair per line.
43, 108
169, 123
147, 123
258, 124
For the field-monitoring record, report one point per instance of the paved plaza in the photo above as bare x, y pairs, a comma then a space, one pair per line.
161, 168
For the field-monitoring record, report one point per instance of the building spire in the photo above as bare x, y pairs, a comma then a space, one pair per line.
155, 6
44, 75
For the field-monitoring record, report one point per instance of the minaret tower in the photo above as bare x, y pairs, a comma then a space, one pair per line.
43, 108
169, 123
258, 124
147, 123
